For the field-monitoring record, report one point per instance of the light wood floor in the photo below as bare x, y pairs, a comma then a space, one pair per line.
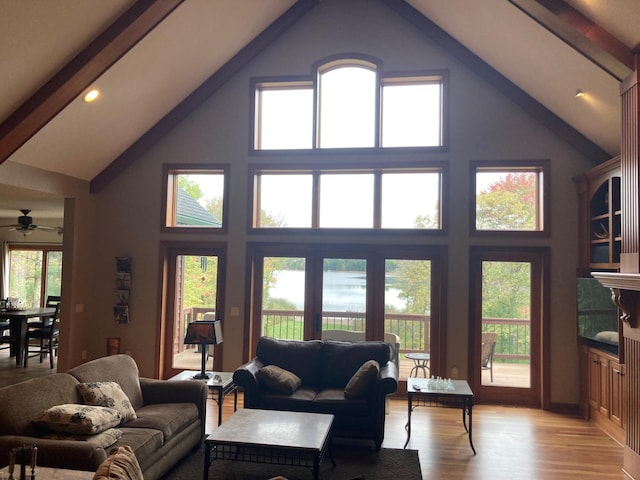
512, 442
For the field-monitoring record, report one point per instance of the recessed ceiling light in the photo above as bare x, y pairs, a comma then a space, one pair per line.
91, 96
579, 93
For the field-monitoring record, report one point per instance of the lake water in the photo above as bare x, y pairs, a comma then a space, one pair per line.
342, 291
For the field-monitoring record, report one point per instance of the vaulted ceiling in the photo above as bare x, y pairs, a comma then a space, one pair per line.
155, 60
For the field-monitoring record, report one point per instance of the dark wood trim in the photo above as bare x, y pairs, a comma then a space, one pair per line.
538, 395
509, 89
201, 94
581, 34
169, 251
79, 73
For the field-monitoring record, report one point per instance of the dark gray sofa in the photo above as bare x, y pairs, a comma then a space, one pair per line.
170, 424
325, 368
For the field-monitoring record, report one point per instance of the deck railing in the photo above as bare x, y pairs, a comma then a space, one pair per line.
414, 330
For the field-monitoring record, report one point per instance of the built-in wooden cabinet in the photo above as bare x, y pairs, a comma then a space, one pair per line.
604, 390
600, 214
600, 242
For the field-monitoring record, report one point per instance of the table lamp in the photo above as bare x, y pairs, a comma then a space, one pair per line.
203, 333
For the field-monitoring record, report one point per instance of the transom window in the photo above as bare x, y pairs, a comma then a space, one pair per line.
195, 197
362, 198
509, 197
349, 104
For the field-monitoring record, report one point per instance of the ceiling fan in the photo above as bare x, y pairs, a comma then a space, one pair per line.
25, 225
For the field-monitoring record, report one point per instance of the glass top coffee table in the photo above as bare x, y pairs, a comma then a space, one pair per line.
271, 436
430, 393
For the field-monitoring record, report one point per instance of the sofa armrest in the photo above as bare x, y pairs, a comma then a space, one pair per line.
175, 391
388, 380
76, 455
245, 377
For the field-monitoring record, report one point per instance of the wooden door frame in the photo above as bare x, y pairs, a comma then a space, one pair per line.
539, 258
169, 251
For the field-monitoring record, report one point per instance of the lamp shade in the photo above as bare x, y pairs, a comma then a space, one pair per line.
204, 332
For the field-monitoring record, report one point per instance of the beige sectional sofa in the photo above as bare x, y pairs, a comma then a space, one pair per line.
169, 423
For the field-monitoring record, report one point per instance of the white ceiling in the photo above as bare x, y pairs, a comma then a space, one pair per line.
38, 37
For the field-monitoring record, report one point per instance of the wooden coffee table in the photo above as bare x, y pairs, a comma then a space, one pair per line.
51, 473
271, 436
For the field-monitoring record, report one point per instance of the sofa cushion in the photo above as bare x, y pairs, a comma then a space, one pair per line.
279, 379
79, 419
121, 369
102, 440
145, 442
168, 418
342, 359
22, 402
303, 358
107, 394
363, 380
121, 464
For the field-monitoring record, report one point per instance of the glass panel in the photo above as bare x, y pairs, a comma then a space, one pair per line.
285, 119
198, 200
54, 274
285, 201
25, 277
407, 315
344, 298
506, 324
412, 115
283, 284
347, 108
411, 200
195, 299
508, 200
346, 201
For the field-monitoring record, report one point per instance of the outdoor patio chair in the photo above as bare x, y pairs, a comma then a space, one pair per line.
489, 340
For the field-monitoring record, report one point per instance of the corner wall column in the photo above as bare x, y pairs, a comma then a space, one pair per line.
630, 264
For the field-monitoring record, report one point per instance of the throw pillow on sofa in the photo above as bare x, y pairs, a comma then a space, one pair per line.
278, 379
79, 419
103, 440
362, 381
107, 394
121, 464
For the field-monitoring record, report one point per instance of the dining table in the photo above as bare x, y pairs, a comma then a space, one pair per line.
19, 319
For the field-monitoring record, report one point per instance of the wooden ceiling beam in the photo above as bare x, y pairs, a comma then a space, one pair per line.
80, 72
581, 34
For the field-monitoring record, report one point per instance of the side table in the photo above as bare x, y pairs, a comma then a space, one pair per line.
220, 382
421, 393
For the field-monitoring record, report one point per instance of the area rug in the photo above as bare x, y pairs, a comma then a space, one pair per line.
351, 463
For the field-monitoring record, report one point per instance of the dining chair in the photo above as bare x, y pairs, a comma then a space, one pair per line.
38, 322
6, 335
41, 341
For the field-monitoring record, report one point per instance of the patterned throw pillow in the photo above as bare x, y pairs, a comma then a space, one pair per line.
103, 440
121, 464
79, 419
107, 394
278, 379
362, 381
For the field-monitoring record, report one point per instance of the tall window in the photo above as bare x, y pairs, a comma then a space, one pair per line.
349, 103
34, 273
